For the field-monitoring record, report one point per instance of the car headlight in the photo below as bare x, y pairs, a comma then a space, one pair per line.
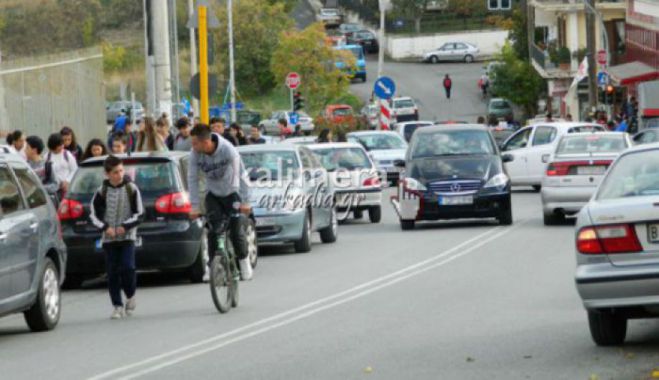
499, 181
412, 184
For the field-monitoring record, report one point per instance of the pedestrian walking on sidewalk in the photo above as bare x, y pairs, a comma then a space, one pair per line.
448, 84
117, 209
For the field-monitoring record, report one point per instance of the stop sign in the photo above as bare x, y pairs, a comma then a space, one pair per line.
601, 57
293, 80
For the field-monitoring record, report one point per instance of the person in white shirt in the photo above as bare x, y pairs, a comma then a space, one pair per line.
64, 163
18, 143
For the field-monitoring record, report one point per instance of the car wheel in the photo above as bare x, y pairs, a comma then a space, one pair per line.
434, 59
330, 233
252, 243
553, 219
358, 214
73, 281
606, 328
506, 217
469, 58
45, 312
407, 225
198, 269
537, 188
375, 214
304, 244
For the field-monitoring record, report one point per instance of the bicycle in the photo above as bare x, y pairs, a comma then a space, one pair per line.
224, 272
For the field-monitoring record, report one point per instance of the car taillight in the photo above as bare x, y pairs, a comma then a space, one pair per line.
373, 181
176, 203
69, 209
608, 239
564, 168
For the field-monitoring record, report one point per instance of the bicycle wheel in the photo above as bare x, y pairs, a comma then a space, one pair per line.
234, 273
221, 283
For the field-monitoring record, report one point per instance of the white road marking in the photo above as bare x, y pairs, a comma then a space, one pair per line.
197, 349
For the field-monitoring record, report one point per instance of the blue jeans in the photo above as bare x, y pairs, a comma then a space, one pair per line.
120, 265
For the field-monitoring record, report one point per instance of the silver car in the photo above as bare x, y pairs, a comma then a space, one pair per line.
291, 195
32, 253
576, 168
453, 51
114, 109
385, 148
617, 242
270, 126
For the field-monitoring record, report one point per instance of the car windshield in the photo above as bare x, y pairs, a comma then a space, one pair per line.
271, 164
453, 143
152, 178
633, 175
342, 112
248, 118
404, 103
591, 144
380, 141
500, 104
357, 52
328, 12
343, 158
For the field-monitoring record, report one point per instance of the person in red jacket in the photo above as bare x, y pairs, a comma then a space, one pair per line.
448, 83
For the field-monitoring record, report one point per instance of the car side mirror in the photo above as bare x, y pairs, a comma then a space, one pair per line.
545, 158
507, 158
399, 163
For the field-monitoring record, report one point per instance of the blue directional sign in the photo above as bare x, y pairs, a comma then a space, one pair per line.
602, 78
385, 88
293, 118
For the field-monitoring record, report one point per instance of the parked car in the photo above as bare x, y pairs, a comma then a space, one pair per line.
360, 62
530, 144
647, 136
33, 256
453, 172
347, 29
269, 126
575, 169
247, 118
168, 239
384, 147
366, 39
291, 195
407, 128
339, 113
371, 112
114, 109
404, 108
617, 246
500, 108
354, 177
330, 17
453, 51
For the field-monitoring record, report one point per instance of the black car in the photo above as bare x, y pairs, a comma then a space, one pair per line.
366, 39
167, 239
453, 172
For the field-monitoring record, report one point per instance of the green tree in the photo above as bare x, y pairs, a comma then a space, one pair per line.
518, 35
517, 80
307, 53
411, 8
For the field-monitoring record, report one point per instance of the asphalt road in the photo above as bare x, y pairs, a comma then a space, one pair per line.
466, 300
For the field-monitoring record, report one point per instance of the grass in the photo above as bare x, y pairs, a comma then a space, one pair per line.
277, 99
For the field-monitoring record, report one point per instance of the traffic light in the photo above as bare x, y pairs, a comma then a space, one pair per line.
298, 101
610, 94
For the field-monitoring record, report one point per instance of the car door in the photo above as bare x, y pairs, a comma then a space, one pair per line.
445, 52
542, 143
517, 145
319, 216
14, 223
460, 51
41, 225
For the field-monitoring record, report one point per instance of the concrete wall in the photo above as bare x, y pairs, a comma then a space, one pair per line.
488, 41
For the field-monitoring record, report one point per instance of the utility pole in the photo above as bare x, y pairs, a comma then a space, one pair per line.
592, 65
193, 54
148, 55
383, 5
162, 64
203, 62
173, 27
232, 73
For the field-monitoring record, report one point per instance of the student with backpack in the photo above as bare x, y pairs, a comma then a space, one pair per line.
63, 161
116, 210
34, 146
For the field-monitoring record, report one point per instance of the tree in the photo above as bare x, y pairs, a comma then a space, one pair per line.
517, 80
518, 35
307, 53
257, 25
412, 8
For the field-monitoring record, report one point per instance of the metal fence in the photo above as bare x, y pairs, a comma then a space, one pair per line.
40, 95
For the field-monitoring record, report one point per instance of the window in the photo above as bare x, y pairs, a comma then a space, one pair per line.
460, 46
544, 135
634, 175
33, 193
453, 143
10, 196
518, 141
307, 161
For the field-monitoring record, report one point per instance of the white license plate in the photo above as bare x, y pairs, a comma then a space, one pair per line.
653, 233
265, 222
456, 200
591, 170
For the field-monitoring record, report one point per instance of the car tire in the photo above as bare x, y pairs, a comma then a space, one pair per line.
407, 225
73, 281
375, 214
197, 270
304, 244
46, 311
553, 219
330, 233
358, 214
434, 59
252, 242
506, 217
537, 188
469, 58
606, 328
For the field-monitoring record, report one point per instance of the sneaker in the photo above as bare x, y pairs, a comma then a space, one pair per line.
130, 306
246, 272
118, 313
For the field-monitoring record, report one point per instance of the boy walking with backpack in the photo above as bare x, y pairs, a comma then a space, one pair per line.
117, 209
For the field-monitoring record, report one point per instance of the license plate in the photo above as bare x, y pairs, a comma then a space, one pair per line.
456, 200
265, 221
653, 233
591, 170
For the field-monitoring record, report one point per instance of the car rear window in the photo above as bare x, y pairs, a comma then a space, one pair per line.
404, 103
586, 128
633, 175
152, 178
342, 112
591, 144
343, 158
500, 104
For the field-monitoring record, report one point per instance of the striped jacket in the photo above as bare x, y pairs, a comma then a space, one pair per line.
117, 206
